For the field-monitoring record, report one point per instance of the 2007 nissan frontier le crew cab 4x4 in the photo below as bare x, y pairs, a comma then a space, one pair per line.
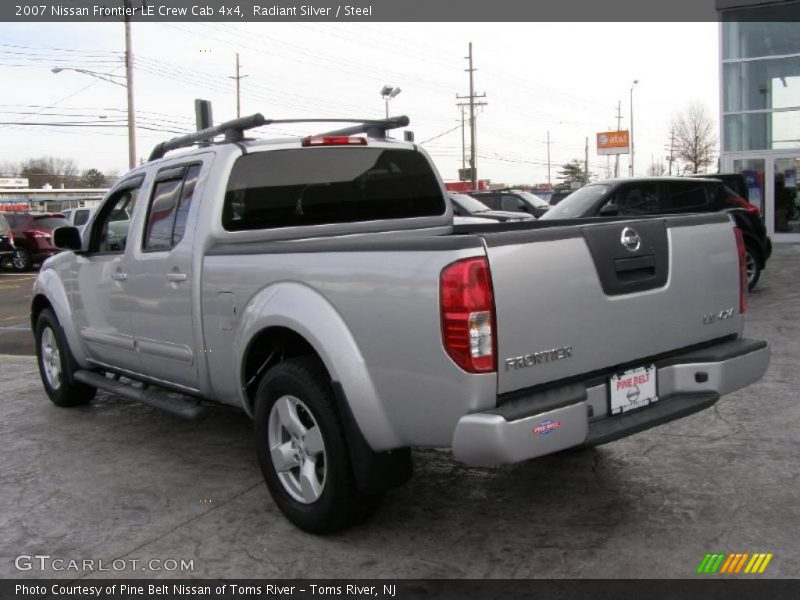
319, 284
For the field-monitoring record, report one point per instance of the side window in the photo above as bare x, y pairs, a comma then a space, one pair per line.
686, 196
638, 199
511, 202
81, 217
110, 231
169, 208
185, 204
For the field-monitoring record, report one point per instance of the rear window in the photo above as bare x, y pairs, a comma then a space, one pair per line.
50, 222
314, 186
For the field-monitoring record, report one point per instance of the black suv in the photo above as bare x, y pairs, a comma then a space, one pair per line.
514, 201
669, 196
33, 237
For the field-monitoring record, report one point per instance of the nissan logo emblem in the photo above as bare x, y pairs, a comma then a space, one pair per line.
630, 239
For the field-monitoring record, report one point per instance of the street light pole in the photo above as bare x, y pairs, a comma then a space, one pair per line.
388, 92
635, 81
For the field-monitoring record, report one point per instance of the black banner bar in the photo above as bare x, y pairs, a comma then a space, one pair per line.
403, 589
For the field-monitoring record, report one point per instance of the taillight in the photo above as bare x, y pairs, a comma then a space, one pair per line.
742, 270
468, 316
39, 234
740, 202
333, 140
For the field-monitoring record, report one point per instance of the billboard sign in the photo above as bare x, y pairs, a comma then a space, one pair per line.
13, 182
613, 142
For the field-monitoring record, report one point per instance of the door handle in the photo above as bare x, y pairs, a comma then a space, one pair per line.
119, 276
176, 277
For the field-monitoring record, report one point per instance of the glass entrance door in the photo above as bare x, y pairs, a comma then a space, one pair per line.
786, 215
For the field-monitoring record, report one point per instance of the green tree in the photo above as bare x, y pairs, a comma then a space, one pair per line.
572, 172
92, 178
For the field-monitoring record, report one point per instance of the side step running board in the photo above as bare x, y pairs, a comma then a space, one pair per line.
181, 406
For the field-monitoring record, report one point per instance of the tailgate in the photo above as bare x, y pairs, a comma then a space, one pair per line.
577, 298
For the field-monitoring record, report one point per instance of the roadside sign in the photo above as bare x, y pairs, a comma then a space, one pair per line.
613, 142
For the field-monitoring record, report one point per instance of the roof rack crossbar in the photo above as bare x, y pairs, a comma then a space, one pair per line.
234, 130
374, 129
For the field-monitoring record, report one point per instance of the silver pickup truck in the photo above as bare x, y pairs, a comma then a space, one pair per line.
320, 285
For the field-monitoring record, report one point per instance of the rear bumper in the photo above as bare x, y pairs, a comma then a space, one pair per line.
577, 414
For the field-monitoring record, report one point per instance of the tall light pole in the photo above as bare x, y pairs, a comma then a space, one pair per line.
388, 92
635, 81
108, 77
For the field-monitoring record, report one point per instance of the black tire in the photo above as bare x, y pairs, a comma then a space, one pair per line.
21, 260
66, 392
339, 504
753, 262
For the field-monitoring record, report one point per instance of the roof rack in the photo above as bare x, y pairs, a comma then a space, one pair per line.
234, 130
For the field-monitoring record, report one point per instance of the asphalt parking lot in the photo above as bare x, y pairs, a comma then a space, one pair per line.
118, 480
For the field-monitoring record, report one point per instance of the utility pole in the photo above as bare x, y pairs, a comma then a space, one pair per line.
238, 78
463, 140
473, 151
671, 148
619, 121
129, 85
586, 163
548, 158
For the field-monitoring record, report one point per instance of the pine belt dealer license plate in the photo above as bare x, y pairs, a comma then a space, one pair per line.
633, 389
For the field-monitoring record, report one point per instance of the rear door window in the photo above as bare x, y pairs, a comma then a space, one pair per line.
685, 196
169, 207
314, 186
512, 203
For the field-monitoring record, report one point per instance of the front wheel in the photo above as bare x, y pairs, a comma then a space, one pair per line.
302, 449
753, 268
56, 364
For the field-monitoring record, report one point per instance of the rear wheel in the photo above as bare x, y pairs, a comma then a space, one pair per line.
753, 267
302, 449
21, 260
56, 364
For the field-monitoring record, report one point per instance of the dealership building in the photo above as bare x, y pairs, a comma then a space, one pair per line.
760, 106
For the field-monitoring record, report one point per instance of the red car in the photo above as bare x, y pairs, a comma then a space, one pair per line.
33, 237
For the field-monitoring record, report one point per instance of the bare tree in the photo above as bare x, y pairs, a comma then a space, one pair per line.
51, 170
695, 137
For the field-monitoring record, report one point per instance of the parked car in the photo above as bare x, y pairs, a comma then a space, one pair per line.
465, 206
6, 241
318, 284
514, 201
33, 237
668, 196
558, 196
78, 217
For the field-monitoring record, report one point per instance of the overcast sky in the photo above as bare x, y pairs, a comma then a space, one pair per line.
563, 77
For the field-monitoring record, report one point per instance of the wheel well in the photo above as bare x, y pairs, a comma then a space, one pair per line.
751, 243
38, 304
267, 348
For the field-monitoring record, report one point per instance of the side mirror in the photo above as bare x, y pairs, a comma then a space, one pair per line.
608, 210
67, 238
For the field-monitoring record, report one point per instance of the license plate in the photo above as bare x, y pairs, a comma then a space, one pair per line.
633, 389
